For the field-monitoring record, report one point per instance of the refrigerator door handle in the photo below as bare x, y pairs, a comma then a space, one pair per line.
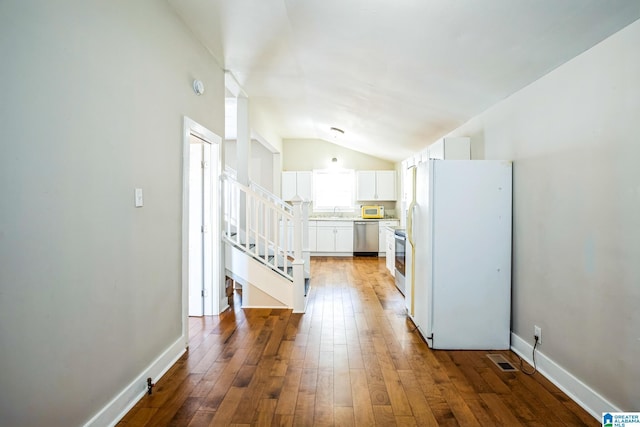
412, 206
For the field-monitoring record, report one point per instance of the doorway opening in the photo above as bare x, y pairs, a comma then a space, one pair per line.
202, 257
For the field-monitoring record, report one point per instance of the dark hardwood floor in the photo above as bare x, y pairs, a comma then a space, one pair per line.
352, 359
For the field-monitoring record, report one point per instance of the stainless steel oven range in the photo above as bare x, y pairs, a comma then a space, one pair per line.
401, 245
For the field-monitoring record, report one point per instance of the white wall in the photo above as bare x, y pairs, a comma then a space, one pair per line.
262, 122
260, 164
309, 154
573, 136
93, 99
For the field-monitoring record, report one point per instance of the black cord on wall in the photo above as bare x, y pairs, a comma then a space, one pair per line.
533, 355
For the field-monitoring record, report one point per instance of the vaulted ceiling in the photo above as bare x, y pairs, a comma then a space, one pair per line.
395, 75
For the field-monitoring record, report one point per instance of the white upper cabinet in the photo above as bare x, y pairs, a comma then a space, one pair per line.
376, 185
305, 189
297, 183
366, 185
451, 148
386, 185
289, 185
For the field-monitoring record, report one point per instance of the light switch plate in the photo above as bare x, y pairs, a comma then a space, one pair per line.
138, 198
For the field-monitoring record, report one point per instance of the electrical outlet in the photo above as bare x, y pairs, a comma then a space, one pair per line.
537, 332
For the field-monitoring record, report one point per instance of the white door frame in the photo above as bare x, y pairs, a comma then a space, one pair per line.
200, 217
214, 297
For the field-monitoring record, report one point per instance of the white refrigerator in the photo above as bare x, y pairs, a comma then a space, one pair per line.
459, 254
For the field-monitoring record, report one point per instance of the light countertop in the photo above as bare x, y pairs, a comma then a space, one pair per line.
328, 218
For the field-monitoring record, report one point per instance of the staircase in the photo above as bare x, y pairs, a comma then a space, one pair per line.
266, 246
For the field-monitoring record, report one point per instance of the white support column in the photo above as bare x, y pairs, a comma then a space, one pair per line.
243, 140
277, 174
297, 227
243, 155
299, 300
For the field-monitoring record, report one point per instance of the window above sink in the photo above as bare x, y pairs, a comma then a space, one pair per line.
334, 190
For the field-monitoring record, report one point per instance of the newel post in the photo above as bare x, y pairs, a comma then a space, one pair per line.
298, 262
306, 250
297, 227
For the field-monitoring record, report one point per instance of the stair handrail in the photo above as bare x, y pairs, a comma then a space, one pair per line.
266, 230
270, 196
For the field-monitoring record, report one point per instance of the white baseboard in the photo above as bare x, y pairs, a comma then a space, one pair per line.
306, 303
273, 307
581, 393
127, 398
332, 254
224, 305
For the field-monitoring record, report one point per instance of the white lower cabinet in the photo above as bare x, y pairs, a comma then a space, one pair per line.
326, 240
334, 237
390, 240
382, 240
344, 238
290, 230
313, 233
382, 236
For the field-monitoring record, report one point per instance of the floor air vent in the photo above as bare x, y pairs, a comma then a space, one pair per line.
502, 363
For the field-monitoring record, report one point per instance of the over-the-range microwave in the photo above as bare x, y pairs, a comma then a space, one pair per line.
372, 211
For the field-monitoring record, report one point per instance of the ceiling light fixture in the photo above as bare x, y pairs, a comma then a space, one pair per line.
336, 132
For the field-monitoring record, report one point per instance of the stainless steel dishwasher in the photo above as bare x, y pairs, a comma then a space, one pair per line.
365, 238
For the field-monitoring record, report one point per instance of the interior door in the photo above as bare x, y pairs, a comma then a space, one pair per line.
196, 215
207, 228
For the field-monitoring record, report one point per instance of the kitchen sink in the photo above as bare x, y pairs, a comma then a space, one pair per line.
330, 218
